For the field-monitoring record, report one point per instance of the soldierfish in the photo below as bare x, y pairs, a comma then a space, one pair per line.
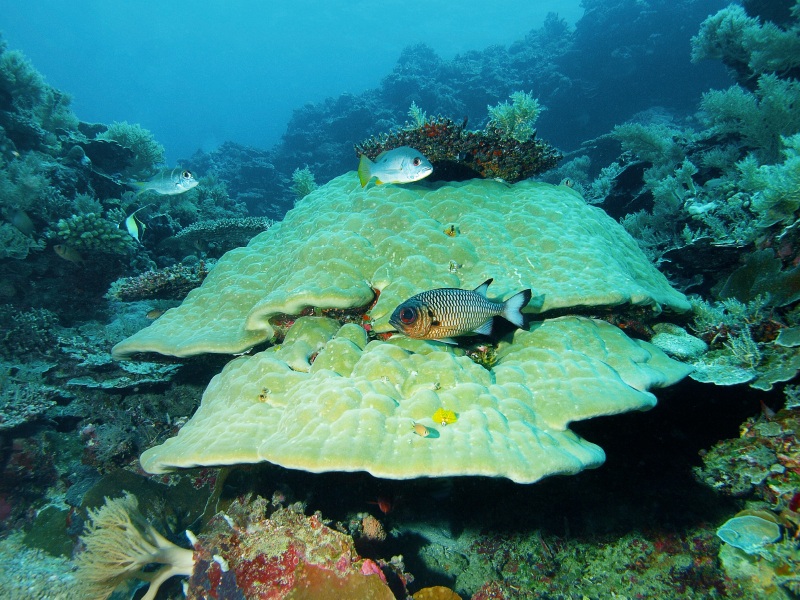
401, 165
167, 182
69, 254
447, 312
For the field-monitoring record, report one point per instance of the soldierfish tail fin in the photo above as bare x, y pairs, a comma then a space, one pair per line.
364, 170
514, 305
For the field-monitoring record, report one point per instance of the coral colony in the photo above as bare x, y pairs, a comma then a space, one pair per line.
203, 395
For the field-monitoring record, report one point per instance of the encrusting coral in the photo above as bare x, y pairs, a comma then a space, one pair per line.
328, 398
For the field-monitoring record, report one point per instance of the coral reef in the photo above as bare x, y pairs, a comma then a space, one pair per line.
147, 152
94, 232
223, 234
507, 150
243, 554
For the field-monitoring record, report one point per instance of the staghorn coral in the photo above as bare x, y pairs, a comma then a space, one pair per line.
457, 154
95, 233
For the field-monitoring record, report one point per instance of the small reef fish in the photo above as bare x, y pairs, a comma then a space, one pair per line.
69, 254
445, 417
167, 182
420, 429
401, 165
155, 313
21, 220
134, 225
447, 312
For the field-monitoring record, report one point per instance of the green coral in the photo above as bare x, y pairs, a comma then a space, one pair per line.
94, 232
746, 44
418, 116
303, 182
760, 118
15, 244
515, 120
148, 153
32, 97
775, 188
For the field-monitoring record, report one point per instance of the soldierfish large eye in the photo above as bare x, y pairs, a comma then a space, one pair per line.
408, 315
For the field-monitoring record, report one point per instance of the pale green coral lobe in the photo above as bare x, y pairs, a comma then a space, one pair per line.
341, 243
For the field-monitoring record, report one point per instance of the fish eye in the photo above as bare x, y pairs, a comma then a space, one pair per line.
416, 161
408, 315
186, 174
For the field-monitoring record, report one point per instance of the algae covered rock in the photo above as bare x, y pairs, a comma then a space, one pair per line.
342, 244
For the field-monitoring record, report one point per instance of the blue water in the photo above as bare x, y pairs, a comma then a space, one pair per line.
200, 73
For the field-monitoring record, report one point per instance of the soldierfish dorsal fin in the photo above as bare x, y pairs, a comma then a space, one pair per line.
484, 287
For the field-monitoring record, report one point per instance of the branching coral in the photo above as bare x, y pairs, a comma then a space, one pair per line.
94, 232
120, 543
515, 120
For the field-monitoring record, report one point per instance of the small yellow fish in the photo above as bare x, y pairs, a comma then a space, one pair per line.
452, 231
445, 417
155, 313
420, 429
69, 254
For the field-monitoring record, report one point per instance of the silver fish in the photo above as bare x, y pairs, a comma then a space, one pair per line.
447, 312
168, 182
401, 165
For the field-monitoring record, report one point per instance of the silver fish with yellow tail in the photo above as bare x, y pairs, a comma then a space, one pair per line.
401, 165
448, 312
167, 182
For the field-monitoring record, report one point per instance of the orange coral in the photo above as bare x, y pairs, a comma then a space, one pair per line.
436, 593
372, 529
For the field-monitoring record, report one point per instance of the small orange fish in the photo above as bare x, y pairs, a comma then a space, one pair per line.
155, 313
69, 254
452, 231
420, 429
